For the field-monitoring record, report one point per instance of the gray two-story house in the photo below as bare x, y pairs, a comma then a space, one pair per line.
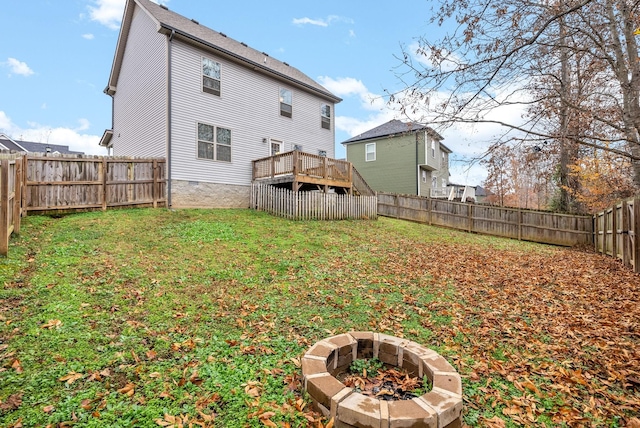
209, 104
401, 157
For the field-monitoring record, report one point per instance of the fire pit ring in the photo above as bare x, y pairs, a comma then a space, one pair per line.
439, 408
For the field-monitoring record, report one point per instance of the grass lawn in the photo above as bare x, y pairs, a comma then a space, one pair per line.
153, 318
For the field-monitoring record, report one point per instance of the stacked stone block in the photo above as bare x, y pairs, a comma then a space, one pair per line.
439, 408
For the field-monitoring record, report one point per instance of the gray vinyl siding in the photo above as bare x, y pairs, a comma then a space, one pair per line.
140, 105
394, 169
249, 106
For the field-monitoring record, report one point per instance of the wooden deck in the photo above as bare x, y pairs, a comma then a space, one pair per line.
304, 171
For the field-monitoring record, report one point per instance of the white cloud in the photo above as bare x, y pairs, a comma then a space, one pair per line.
88, 36
109, 12
352, 33
320, 22
38, 133
18, 67
348, 86
449, 62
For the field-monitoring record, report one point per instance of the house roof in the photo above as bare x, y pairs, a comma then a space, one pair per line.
394, 128
31, 147
171, 23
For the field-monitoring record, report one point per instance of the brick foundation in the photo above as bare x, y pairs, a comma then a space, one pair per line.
439, 408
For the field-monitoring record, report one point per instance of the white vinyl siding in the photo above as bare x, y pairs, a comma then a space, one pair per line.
248, 105
140, 118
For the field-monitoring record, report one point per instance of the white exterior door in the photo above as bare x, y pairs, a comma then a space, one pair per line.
276, 147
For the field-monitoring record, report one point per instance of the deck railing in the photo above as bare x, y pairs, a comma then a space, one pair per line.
305, 167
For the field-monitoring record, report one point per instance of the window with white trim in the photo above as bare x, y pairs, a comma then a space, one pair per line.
443, 161
433, 149
370, 152
214, 143
210, 76
434, 182
424, 176
444, 183
325, 116
286, 102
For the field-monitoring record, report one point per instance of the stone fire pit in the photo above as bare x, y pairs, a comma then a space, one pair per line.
439, 408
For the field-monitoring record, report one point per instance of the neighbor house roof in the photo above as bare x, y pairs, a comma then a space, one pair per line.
394, 128
171, 23
31, 147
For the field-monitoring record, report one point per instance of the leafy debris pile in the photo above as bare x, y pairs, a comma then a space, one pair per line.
388, 384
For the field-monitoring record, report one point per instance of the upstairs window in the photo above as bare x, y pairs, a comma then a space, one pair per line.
433, 149
370, 152
214, 143
325, 116
210, 76
286, 106
443, 162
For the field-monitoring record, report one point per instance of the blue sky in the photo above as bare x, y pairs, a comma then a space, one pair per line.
56, 55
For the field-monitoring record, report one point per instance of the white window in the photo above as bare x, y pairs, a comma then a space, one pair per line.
214, 143
424, 176
370, 152
276, 147
325, 116
433, 149
434, 182
443, 162
444, 183
210, 76
286, 105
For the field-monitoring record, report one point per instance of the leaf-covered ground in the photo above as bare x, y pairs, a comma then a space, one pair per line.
199, 318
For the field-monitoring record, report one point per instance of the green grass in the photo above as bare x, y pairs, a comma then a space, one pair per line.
119, 318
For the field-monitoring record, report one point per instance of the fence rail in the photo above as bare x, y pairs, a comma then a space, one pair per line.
617, 232
536, 226
311, 205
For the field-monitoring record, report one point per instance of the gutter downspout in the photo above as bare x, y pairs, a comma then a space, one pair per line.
417, 168
173, 32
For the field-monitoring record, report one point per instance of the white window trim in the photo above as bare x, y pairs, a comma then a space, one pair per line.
204, 75
281, 102
214, 143
324, 118
366, 152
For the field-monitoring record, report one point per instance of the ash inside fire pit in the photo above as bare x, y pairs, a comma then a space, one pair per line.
372, 378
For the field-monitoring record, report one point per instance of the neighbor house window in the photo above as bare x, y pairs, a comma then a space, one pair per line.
370, 152
433, 149
325, 116
210, 76
214, 143
444, 183
442, 163
286, 106
434, 182
424, 176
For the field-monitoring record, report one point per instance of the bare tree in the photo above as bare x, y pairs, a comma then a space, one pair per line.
572, 67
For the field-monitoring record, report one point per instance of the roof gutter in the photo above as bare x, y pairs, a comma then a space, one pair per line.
168, 172
253, 64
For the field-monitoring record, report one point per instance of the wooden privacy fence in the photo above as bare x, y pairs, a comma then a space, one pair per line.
59, 183
311, 205
11, 173
617, 232
64, 183
526, 225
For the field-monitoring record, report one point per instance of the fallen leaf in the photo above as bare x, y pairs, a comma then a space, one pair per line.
71, 377
48, 409
12, 402
128, 389
52, 324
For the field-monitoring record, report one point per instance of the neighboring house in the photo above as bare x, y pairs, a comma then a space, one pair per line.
401, 157
209, 104
7, 143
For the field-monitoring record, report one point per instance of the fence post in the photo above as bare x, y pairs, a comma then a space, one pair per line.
519, 224
624, 234
104, 184
614, 231
17, 198
469, 217
4, 207
25, 168
636, 230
